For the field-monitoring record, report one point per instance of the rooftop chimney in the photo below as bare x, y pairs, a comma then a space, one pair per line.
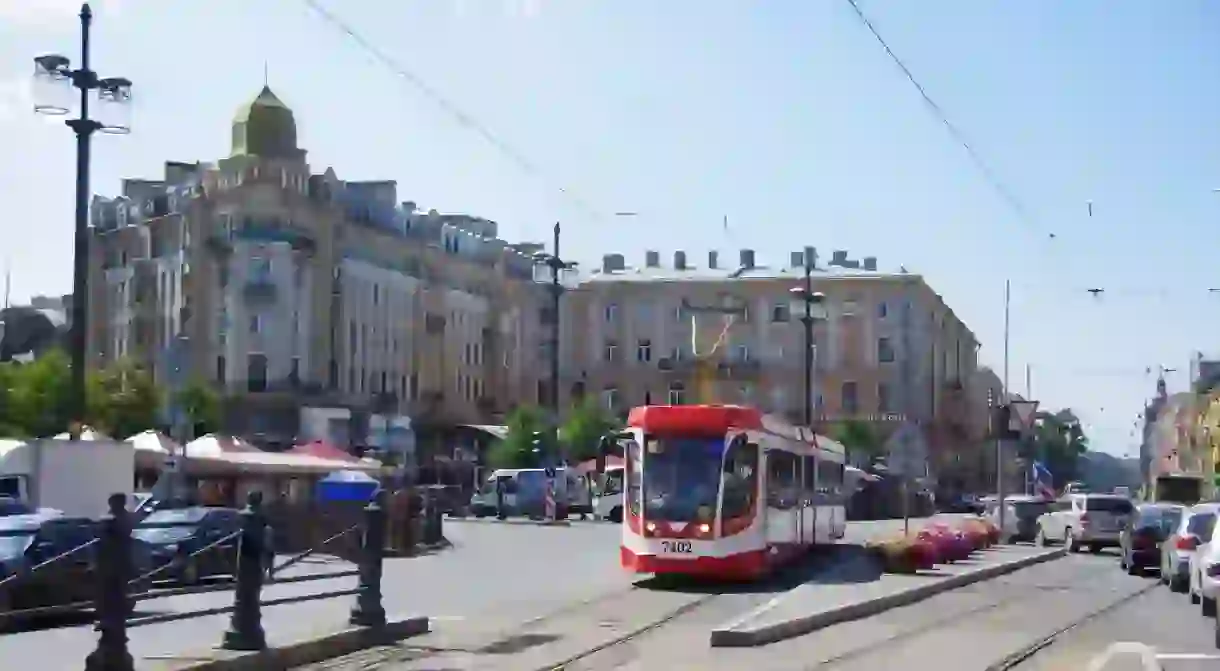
797, 259
870, 263
679, 260
838, 257
713, 259
747, 258
811, 256
652, 259
613, 263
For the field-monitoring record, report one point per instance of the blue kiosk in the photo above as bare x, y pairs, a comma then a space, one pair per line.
346, 486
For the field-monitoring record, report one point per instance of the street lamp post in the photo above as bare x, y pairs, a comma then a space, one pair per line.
813, 305
53, 78
555, 263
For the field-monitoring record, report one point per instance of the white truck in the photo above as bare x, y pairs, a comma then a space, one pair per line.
74, 477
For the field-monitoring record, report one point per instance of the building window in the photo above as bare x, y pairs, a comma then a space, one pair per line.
610, 398
611, 312
220, 370
677, 393
256, 372
742, 353
295, 373
780, 312
885, 350
676, 354
850, 398
883, 310
884, 402
643, 351
679, 313
260, 268
611, 351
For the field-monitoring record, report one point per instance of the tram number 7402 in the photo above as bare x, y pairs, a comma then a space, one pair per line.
677, 547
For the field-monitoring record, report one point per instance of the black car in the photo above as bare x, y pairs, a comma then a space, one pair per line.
11, 506
29, 540
189, 541
1140, 540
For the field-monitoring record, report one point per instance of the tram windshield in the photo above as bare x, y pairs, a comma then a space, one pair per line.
681, 478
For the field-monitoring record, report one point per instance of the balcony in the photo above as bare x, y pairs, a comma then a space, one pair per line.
260, 291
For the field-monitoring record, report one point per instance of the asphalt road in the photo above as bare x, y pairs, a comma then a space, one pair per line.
493, 572
537, 634
1180, 638
969, 629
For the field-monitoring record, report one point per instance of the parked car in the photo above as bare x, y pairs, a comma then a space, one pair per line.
1204, 566
12, 506
29, 540
1085, 520
189, 541
1021, 515
1140, 541
1182, 543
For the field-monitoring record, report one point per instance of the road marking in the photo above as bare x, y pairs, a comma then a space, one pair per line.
1187, 656
756, 612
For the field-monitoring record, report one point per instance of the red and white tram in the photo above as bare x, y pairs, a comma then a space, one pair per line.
726, 491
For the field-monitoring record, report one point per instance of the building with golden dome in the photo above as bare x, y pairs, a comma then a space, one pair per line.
325, 309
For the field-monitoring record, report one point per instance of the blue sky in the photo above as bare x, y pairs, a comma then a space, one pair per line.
786, 116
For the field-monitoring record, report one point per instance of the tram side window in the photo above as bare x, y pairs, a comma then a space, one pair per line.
783, 479
830, 476
740, 480
635, 478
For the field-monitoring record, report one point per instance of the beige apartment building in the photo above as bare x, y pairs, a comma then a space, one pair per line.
325, 309
888, 348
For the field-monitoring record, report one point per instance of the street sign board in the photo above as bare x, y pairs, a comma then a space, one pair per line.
1021, 415
907, 451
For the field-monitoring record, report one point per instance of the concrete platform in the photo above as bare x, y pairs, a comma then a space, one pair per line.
856, 588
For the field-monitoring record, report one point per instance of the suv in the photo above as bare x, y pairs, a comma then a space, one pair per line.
1080, 520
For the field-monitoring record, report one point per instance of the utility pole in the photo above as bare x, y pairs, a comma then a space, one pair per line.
51, 72
555, 263
1002, 429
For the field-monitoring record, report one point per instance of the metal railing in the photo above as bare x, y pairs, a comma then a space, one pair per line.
118, 570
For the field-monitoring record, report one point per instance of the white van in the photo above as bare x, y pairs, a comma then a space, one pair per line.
525, 492
608, 502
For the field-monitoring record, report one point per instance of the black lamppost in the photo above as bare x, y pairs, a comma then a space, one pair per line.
555, 263
813, 305
54, 79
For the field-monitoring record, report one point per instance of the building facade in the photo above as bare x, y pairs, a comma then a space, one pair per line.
325, 309
888, 350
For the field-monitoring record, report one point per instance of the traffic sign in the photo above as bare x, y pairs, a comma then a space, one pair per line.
172, 463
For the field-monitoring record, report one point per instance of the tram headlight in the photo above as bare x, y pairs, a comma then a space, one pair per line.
705, 528
651, 527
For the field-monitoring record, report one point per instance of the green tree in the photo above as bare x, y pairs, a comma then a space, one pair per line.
8, 427
585, 426
517, 448
1059, 442
857, 437
123, 399
36, 403
200, 407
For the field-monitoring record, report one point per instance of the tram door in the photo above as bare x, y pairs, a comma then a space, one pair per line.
809, 511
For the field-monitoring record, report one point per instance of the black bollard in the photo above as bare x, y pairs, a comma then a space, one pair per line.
246, 625
113, 606
369, 611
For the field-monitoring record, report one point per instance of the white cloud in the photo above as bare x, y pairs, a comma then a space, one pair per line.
37, 12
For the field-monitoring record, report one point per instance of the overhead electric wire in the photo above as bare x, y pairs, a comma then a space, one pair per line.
998, 185
448, 106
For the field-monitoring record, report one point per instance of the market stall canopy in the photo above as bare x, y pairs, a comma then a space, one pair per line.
214, 445
152, 447
269, 463
347, 485
323, 450
87, 433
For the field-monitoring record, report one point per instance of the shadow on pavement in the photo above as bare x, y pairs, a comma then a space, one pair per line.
839, 564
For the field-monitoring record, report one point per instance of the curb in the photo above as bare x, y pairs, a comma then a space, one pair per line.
722, 637
512, 521
307, 651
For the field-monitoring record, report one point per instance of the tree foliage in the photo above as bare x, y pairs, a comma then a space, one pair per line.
517, 448
585, 426
857, 436
200, 407
35, 398
1059, 442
